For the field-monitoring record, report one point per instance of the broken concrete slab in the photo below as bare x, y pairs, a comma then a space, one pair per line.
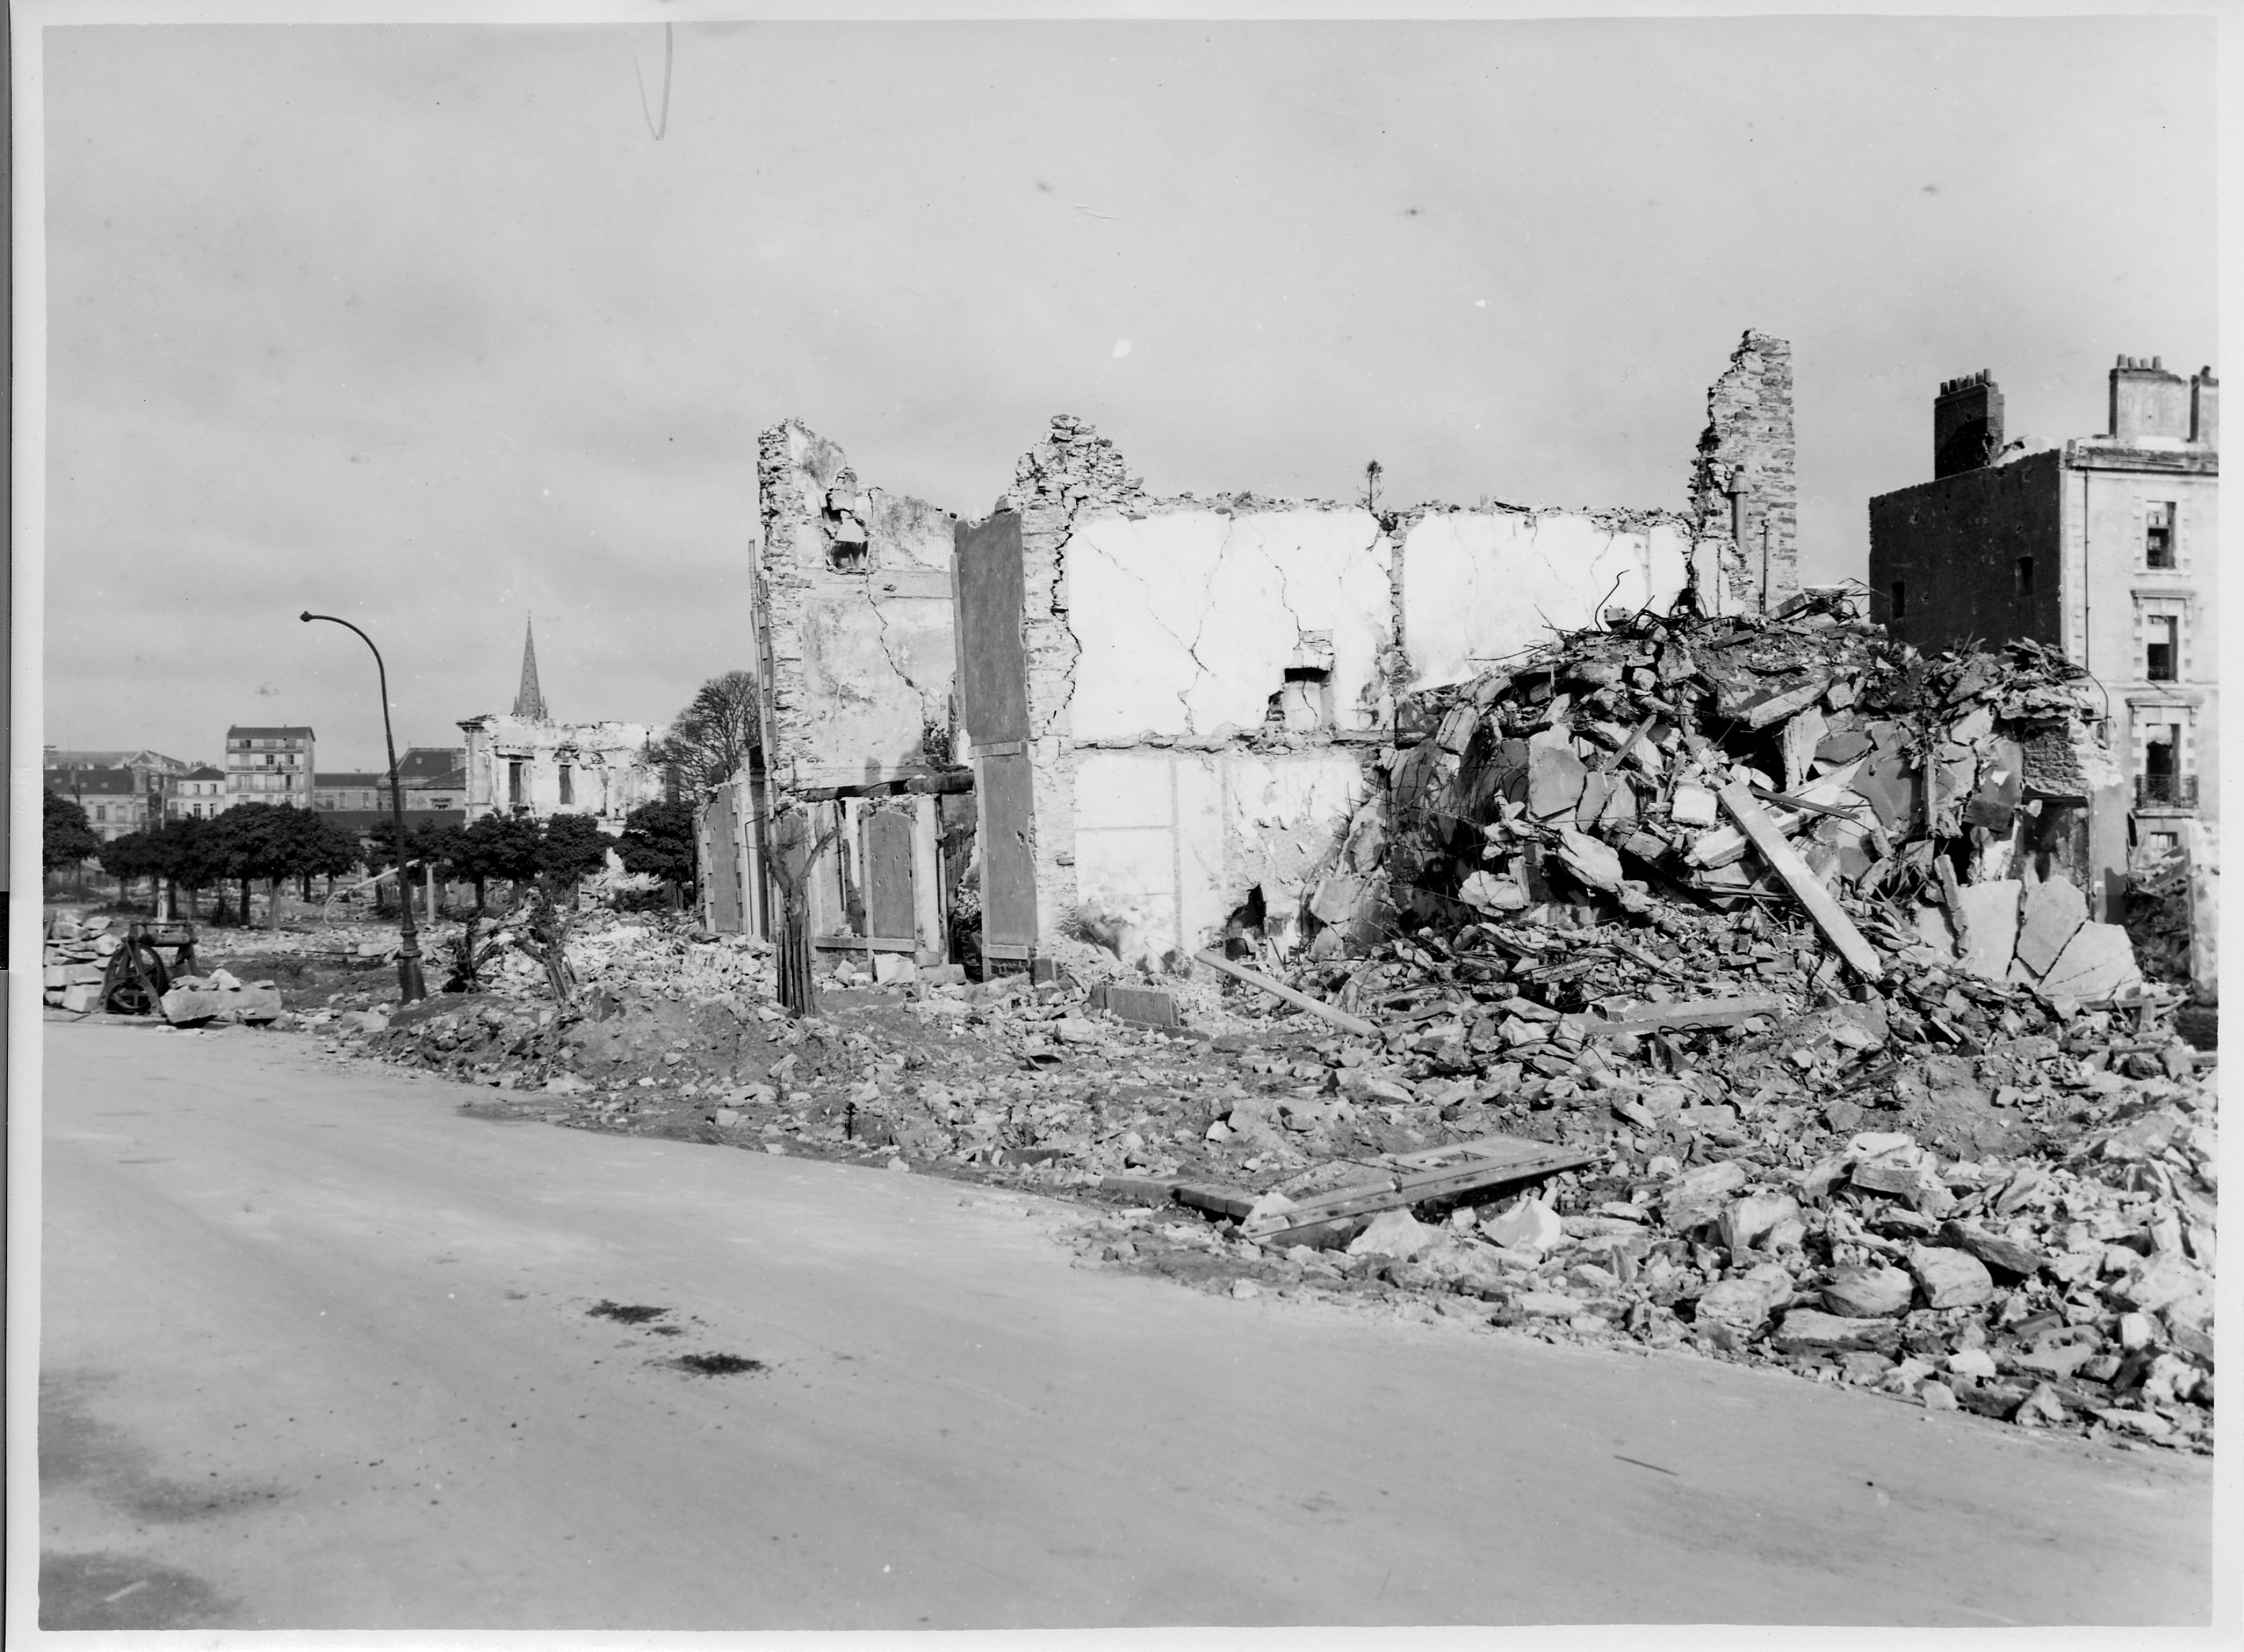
2098, 962
2053, 912
1555, 778
1951, 1279
1989, 915
1147, 1006
1868, 1292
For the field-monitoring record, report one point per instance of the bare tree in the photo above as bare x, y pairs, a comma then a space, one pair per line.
710, 740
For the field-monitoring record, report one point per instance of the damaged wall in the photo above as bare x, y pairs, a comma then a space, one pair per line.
1743, 488
1484, 585
853, 611
530, 765
1205, 679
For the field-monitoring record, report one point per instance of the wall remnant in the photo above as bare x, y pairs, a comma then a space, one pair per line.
1209, 682
853, 595
1742, 488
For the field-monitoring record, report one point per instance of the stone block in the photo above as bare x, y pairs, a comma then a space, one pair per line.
1951, 1279
2098, 962
1555, 778
1699, 1195
1990, 911
80, 1000
1858, 1293
2051, 913
1147, 1006
1810, 1331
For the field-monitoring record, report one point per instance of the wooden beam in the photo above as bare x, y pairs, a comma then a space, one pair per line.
1807, 887
1339, 1018
1697, 1012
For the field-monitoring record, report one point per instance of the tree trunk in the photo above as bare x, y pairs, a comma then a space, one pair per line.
245, 903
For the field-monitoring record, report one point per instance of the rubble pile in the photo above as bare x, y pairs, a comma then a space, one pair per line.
77, 957
1769, 932
1717, 763
1900, 1116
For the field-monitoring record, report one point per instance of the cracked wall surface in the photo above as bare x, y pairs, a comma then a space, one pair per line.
853, 599
1482, 586
1188, 616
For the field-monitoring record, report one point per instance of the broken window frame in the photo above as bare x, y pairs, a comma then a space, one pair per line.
2159, 547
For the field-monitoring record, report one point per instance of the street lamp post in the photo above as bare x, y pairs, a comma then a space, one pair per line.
410, 987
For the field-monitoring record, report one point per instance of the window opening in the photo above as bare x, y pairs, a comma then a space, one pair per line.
2159, 534
2162, 656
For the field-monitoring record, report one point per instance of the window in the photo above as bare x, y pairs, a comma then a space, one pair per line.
514, 782
2163, 654
568, 784
1900, 599
101, 812
2159, 534
2022, 576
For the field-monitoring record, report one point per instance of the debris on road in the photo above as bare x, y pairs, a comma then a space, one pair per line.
1585, 1051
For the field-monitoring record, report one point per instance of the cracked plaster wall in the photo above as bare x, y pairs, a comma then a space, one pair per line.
1169, 841
860, 664
1157, 629
1481, 586
1188, 616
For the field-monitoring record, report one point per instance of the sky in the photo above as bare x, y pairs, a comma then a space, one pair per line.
437, 326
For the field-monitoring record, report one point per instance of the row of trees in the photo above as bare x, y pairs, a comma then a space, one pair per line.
277, 843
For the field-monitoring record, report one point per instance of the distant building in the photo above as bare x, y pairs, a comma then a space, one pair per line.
143, 763
154, 774
435, 781
2106, 548
268, 766
199, 794
349, 790
435, 777
116, 801
524, 763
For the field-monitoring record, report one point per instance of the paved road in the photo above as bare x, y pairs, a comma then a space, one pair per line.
316, 1354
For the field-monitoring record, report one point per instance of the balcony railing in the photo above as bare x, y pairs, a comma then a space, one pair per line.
2166, 790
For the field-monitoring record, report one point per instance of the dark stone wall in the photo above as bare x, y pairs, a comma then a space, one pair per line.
1955, 543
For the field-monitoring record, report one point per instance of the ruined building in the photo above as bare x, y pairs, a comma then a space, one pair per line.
852, 620
1164, 707
1173, 705
525, 763
2105, 548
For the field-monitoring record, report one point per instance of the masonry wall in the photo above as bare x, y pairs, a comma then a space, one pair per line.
1954, 545
1747, 449
1169, 791
608, 778
1482, 586
1188, 616
2108, 492
854, 620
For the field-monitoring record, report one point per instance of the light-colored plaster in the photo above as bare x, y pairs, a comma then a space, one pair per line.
1187, 619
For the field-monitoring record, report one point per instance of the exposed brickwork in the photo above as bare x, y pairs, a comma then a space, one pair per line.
1954, 548
1073, 469
1747, 449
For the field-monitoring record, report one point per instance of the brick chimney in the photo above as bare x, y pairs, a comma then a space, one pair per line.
1967, 423
2205, 409
2148, 402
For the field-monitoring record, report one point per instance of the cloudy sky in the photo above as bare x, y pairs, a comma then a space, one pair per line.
426, 325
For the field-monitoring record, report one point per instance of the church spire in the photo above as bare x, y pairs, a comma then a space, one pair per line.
527, 701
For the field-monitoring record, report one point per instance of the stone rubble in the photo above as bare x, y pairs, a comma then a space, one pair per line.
1951, 1184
